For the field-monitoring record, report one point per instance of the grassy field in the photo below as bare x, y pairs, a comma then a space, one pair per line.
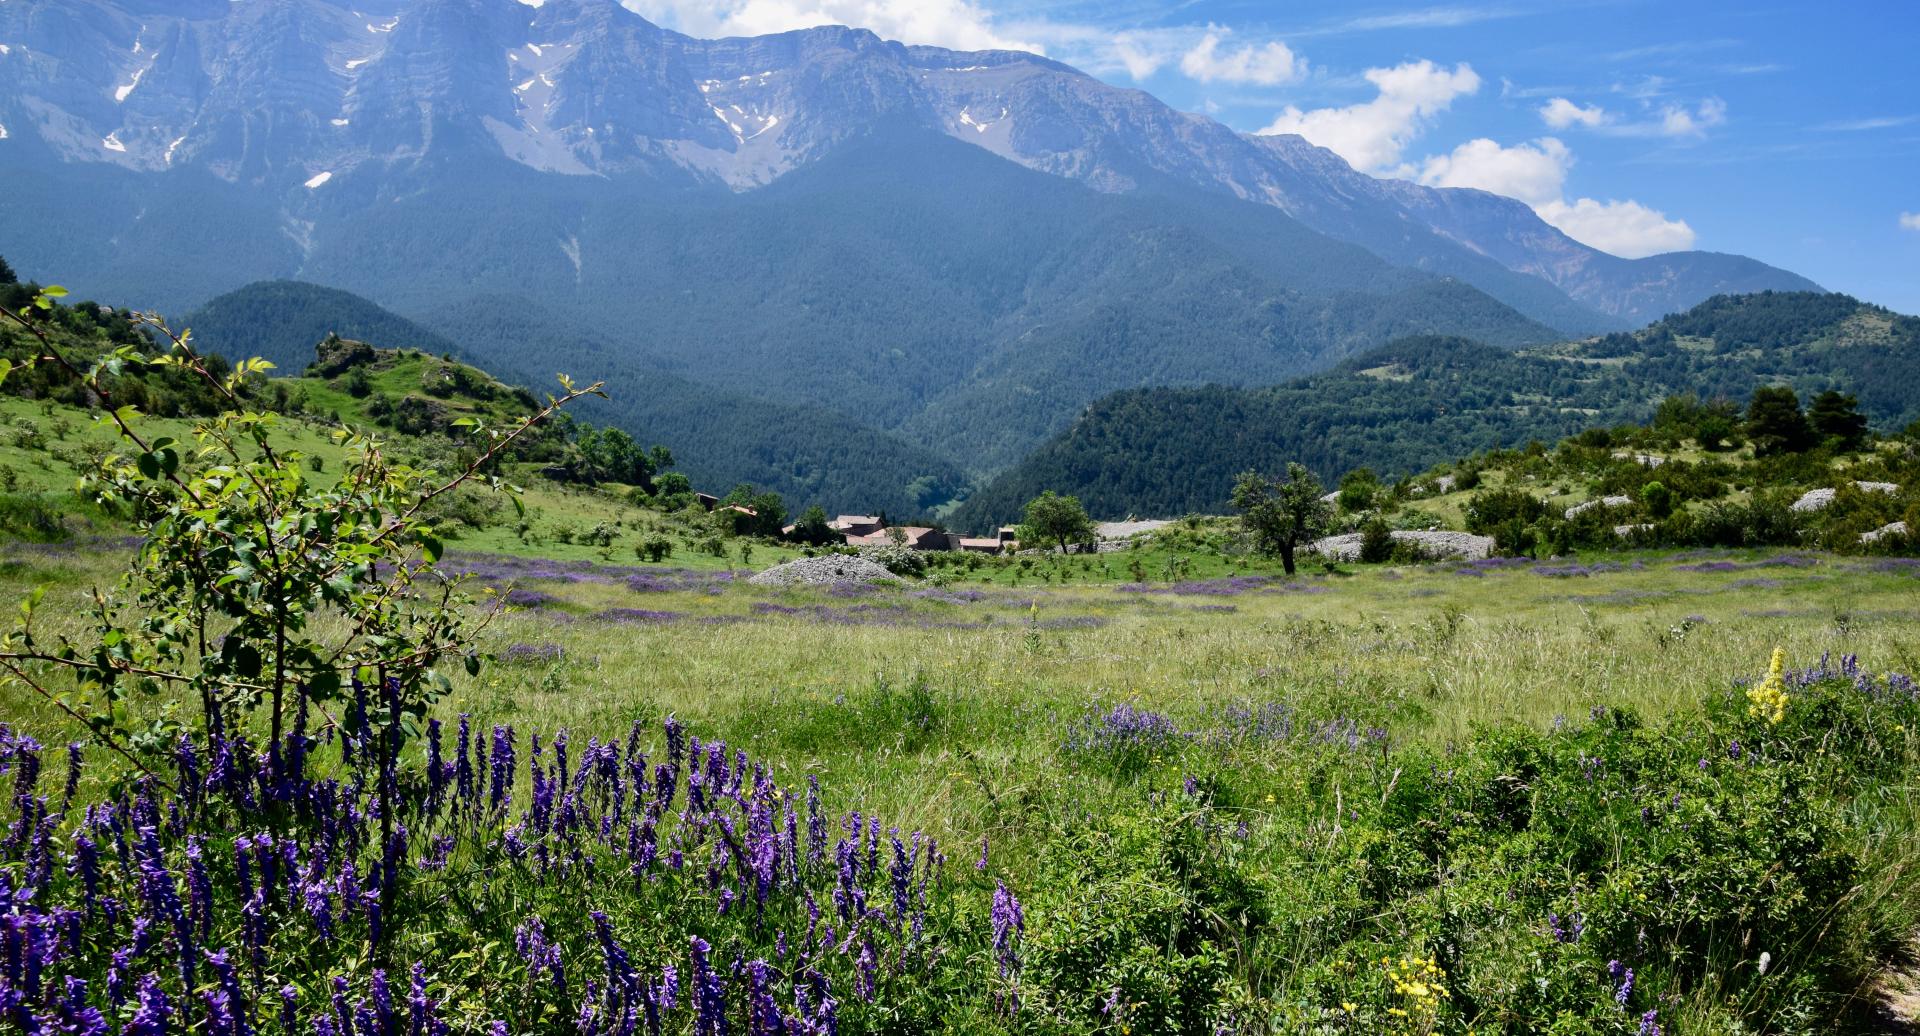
826, 681
980, 710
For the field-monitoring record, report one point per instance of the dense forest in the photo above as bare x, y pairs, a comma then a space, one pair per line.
282, 321
1421, 401
806, 454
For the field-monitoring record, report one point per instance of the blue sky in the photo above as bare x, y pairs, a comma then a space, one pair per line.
1785, 131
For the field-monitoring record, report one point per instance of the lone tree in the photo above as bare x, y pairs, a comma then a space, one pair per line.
1281, 514
1775, 423
1837, 418
1051, 518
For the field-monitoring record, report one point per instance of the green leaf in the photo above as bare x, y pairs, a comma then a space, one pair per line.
324, 685
430, 547
6, 367
54, 291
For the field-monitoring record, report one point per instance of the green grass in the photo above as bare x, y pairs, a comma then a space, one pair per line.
945, 710
1426, 652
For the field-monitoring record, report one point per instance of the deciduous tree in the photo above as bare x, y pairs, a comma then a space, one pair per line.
1051, 518
1282, 514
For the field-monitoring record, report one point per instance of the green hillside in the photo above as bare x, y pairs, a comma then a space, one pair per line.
281, 320
579, 500
808, 454
1422, 401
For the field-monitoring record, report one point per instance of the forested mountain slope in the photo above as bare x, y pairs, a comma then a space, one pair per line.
1417, 402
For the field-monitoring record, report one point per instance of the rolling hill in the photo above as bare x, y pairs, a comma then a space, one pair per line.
1421, 401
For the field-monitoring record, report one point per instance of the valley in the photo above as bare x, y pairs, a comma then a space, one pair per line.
1004, 518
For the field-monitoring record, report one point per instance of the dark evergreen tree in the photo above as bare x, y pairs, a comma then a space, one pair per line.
1836, 418
1775, 423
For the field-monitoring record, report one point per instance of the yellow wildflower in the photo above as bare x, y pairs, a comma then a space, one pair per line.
1768, 698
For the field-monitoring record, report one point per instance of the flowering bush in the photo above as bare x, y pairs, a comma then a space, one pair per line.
1604, 877
620, 888
901, 561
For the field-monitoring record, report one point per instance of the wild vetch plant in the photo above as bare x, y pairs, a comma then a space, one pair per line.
317, 855
520, 884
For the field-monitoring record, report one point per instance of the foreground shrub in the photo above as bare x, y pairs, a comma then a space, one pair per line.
1714, 875
621, 888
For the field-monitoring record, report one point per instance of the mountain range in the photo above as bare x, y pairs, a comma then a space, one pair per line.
948, 253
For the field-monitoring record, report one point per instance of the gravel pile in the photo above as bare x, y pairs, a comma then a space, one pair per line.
1461, 545
830, 570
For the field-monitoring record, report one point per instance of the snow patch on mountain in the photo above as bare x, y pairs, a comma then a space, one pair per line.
120, 93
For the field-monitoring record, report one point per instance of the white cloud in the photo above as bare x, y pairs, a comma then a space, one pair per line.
1268, 64
1373, 135
1561, 113
1877, 122
1625, 228
1667, 120
941, 23
1533, 173
1676, 121
1536, 173
1140, 54
1910, 221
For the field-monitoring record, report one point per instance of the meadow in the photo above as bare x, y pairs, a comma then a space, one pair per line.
1476, 796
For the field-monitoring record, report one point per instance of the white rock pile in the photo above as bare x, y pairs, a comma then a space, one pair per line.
829, 570
1453, 545
1894, 529
1605, 501
1814, 500
1820, 499
1128, 529
1645, 460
